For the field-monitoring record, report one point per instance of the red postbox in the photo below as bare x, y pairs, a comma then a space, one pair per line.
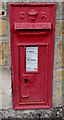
32, 28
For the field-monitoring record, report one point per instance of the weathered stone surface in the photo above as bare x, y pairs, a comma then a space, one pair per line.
63, 7
63, 76
0, 5
59, 29
6, 88
3, 27
0, 88
3, 53
0, 54
57, 98
59, 11
56, 55
61, 53
59, 75
63, 93
63, 29
32, 114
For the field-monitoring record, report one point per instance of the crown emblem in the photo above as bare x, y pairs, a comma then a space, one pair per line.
32, 14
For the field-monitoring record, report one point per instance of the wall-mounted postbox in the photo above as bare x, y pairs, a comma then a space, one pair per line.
32, 28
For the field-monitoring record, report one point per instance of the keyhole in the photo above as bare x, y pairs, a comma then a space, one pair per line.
25, 80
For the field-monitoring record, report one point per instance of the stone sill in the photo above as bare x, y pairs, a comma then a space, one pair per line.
55, 113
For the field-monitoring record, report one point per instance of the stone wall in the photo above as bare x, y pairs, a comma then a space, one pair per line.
5, 62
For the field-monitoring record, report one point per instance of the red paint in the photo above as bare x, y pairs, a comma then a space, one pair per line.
32, 25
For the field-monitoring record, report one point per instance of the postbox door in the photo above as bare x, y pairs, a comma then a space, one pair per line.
32, 73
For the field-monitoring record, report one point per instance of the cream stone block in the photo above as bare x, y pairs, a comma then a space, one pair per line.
0, 88
3, 27
4, 52
0, 5
6, 97
57, 97
59, 29
61, 53
60, 75
6, 88
0, 53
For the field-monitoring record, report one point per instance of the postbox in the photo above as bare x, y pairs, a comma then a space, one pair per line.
32, 28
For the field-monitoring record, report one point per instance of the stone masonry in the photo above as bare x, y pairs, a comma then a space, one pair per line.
6, 109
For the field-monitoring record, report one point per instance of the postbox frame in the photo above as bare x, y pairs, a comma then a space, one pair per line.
15, 83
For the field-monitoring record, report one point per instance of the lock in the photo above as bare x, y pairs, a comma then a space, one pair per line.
26, 80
